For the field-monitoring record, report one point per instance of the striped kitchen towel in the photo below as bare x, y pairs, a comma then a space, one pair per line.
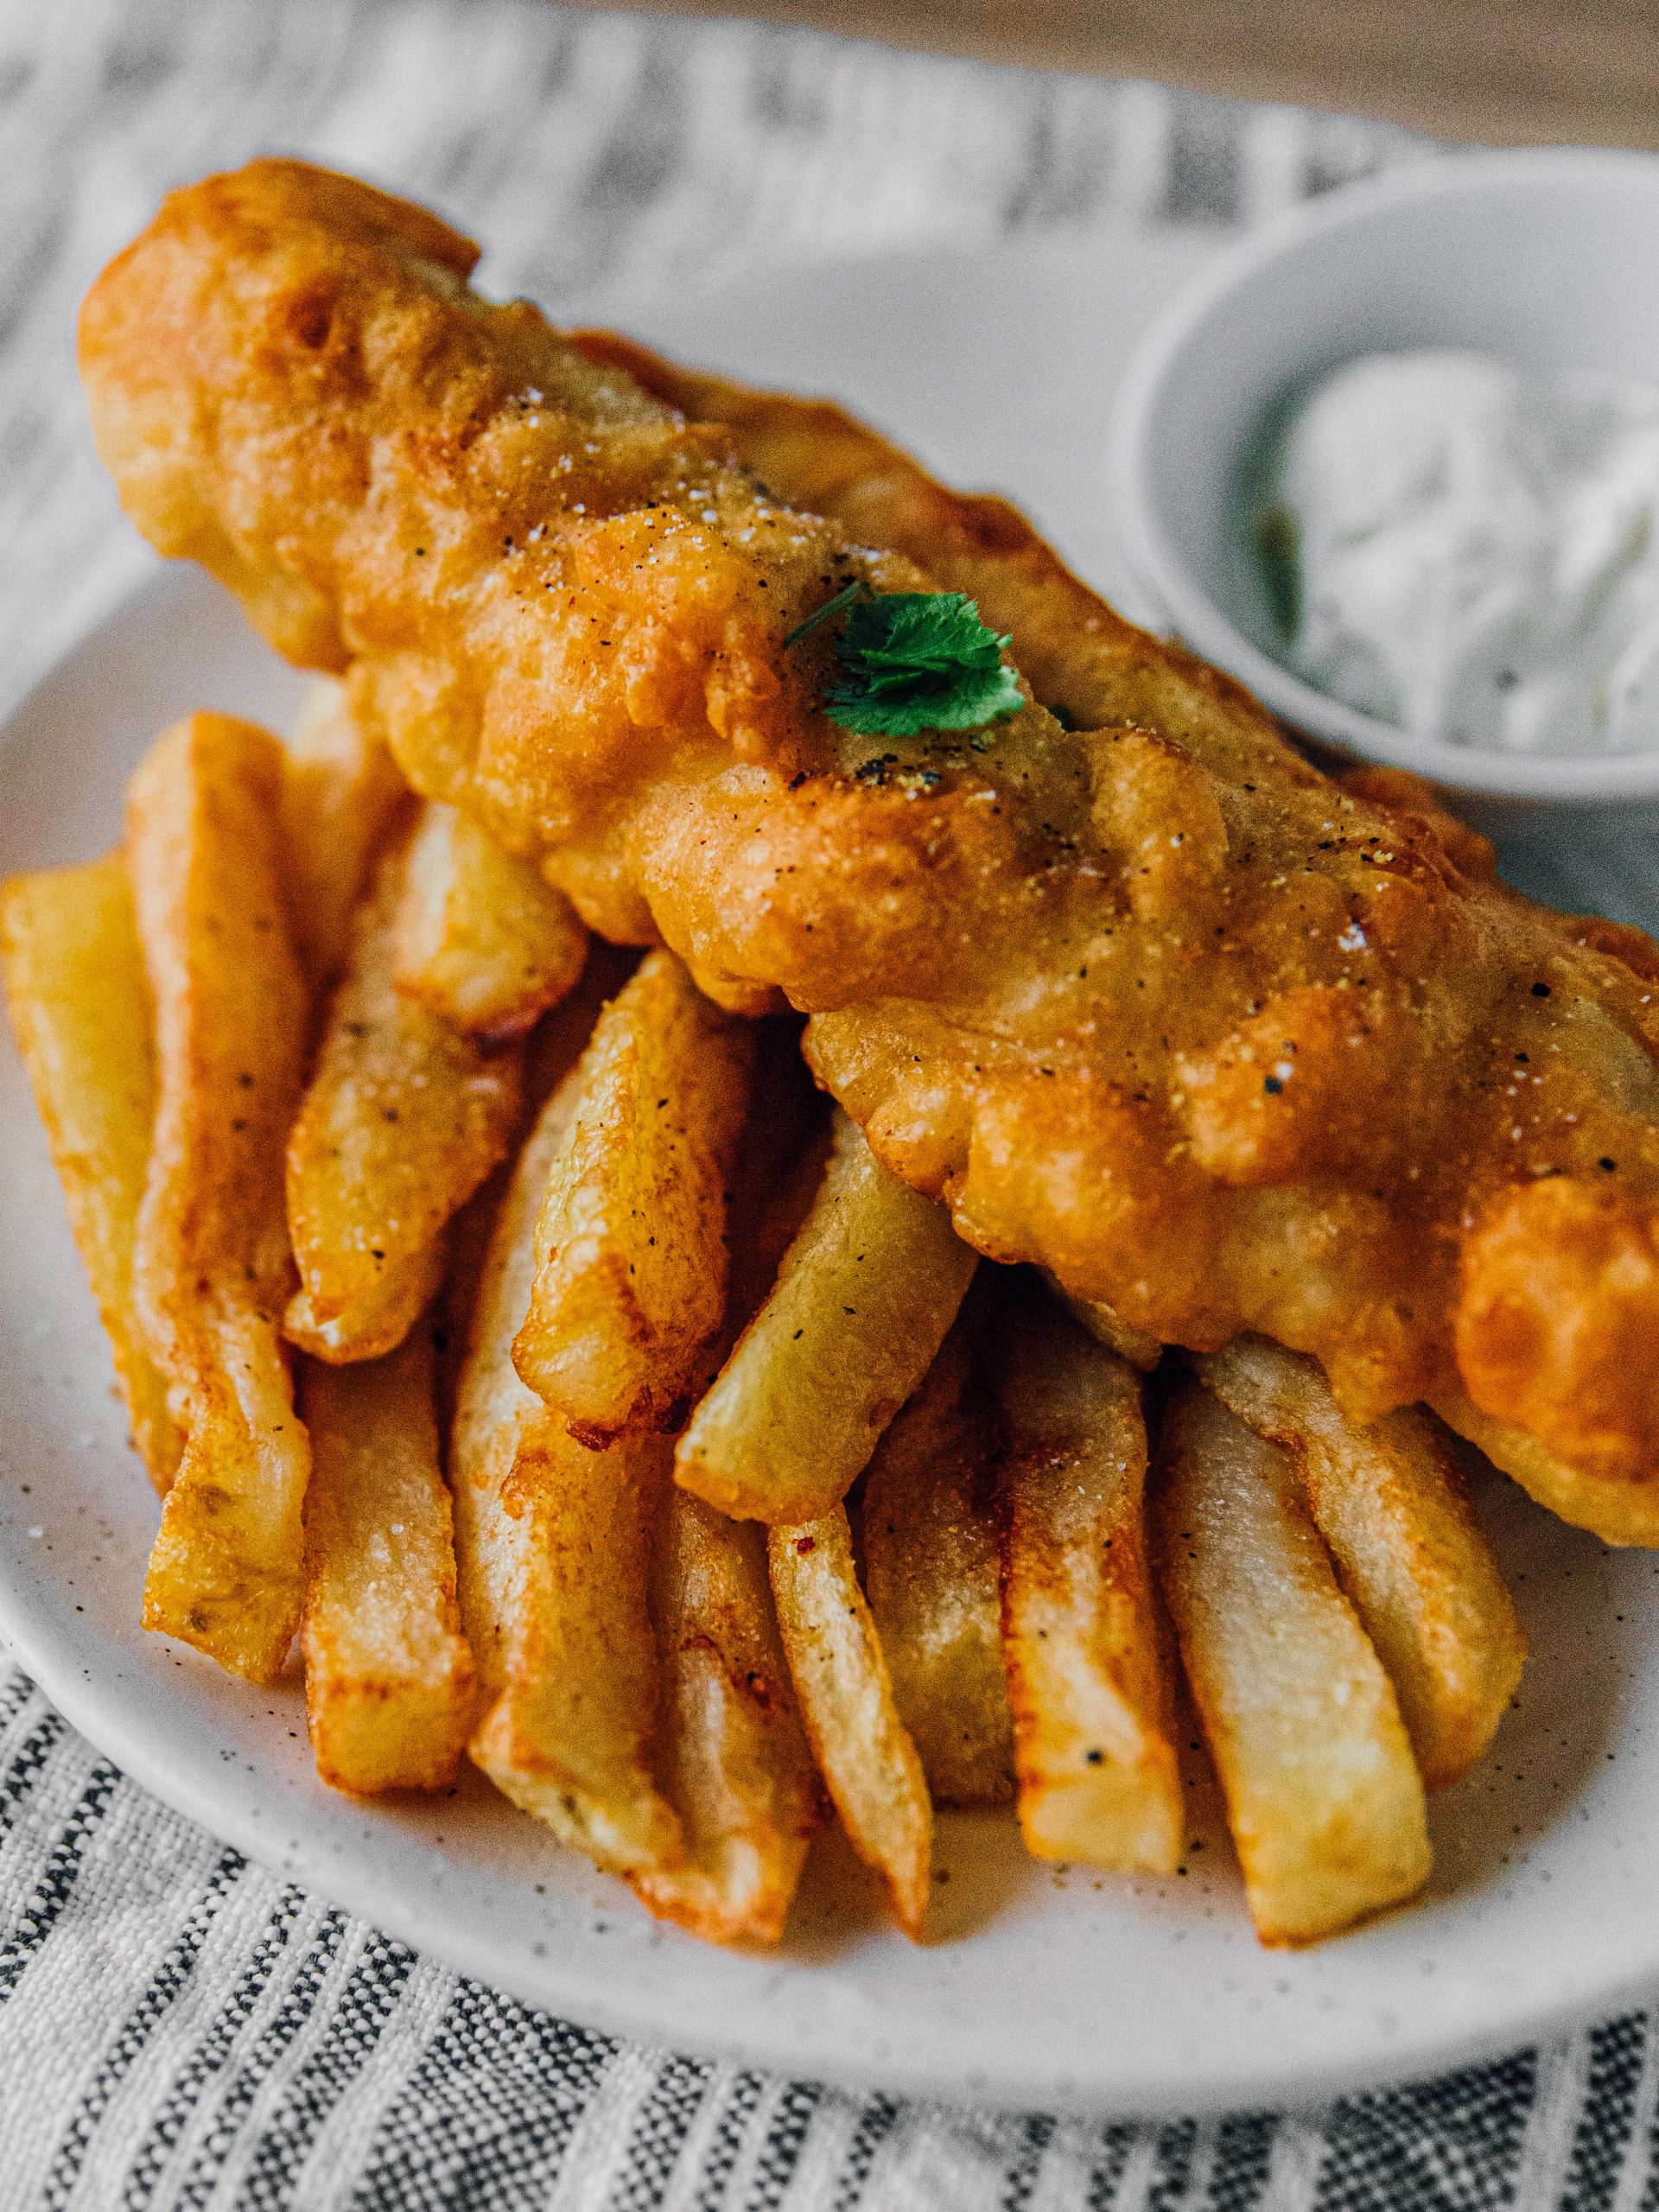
179, 2028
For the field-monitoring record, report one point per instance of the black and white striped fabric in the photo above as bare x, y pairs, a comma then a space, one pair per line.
177, 2027
180, 2029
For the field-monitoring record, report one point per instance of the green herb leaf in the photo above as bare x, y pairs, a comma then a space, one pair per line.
844, 597
915, 661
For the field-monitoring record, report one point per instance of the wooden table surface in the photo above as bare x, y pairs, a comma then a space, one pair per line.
1506, 71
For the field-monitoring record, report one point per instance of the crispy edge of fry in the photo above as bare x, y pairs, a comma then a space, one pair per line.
1107, 1327
931, 1577
863, 1749
556, 1608
733, 1756
376, 1323
341, 792
389, 1679
401, 1122
631, 1252
482, 938
796, 1411
1391, 1505
1323, 1798
1618, 1512
552, 1050
79, 1005
211, 1259
1088, 1666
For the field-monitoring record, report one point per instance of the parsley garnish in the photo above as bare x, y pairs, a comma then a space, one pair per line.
844, 597
914, 661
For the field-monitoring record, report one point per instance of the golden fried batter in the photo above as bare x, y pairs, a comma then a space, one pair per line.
1154, 1004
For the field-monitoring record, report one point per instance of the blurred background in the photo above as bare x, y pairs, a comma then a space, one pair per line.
1510, 70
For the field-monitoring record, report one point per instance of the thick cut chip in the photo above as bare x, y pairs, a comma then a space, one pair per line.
79, 1008
388, 1676
211, 1262
341, 791
734, 1758
931, 1574
630, 1260
862, 1747
1391, 1505
863, 1297
402, 1119
554, 1543
482, 938
1618, 1512
1323, 1795
1107, 1327
1094, 1748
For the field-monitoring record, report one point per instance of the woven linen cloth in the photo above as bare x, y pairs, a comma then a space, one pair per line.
178, 2027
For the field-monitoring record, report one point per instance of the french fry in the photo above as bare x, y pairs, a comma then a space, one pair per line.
734, 1758
931, 1573
1323, 1795
553, 1049
863, 1297
732, 1754
1107, 1327
1390, 1502
863, 1749
388, 1676
1087, 1677
211, 1264
402, 1121
74, 976
482, 938
553, 1542
341, 791
631, 1262
1618, 1512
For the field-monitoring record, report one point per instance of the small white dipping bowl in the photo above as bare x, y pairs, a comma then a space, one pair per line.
1547, 257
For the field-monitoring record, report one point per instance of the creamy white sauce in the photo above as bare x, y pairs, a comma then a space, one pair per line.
1477, 552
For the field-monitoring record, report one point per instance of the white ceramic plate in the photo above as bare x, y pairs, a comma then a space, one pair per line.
1042, 1987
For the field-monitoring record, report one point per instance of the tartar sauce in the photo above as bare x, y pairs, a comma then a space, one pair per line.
1470, 553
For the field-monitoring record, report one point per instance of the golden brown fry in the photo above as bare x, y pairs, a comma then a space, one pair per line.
211, 1263
1323, 1795
732, 1753
863, 1749
630, 1243
863, 1299
1390, 1502
930, 1574
482, 939
388, 1676
1088, 1678
553, 1049
1108, 1327
554, 1545
74, 976
341, 793
1617, 1511
734, 1758
403, 1119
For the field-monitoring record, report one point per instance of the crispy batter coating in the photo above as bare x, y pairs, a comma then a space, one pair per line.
1155, 1004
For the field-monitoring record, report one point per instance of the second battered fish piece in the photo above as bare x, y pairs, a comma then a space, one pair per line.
1154, 1004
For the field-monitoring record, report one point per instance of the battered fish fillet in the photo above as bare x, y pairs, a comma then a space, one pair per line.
1152, 1002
